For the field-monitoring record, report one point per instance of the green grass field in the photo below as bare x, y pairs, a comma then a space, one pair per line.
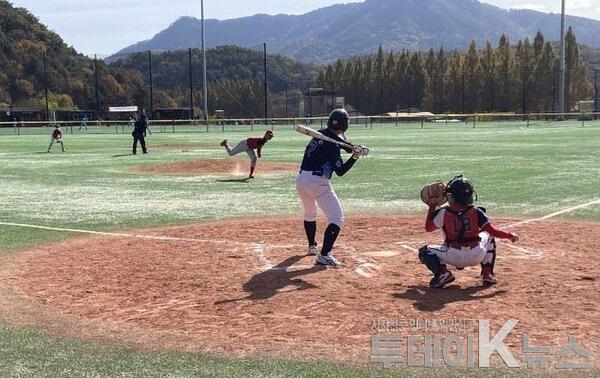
518, 171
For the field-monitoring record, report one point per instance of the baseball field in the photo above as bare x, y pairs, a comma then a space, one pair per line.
173, 264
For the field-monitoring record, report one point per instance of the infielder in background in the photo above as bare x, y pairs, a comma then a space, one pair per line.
56, 136
248, 146
313, 184
469, 235
83, 123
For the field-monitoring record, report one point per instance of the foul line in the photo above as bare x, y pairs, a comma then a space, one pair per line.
150, 237
570, 209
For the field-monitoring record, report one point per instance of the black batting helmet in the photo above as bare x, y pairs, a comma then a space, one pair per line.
338, 120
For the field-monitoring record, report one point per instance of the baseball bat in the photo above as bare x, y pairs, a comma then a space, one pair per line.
315, 134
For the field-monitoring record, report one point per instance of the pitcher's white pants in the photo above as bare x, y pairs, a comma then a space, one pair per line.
466, 256
243, 147
317, 191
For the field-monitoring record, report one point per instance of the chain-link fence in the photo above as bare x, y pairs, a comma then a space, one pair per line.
401, 120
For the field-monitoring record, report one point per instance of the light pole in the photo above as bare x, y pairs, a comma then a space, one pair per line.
561, 73
205, 89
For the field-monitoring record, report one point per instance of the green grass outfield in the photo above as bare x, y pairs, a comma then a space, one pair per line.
517, 170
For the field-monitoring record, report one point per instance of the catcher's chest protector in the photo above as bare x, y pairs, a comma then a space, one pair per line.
463, 227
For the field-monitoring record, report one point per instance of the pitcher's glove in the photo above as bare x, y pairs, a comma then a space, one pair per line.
434, 194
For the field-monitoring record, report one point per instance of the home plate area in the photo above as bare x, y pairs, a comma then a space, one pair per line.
248, 287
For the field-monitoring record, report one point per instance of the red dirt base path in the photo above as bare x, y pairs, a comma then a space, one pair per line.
216, 166
247, 287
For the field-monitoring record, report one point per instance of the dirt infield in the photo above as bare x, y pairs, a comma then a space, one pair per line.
216, 166
247, 287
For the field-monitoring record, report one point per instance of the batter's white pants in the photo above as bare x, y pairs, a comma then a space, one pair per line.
466, 256
317, 191
241, 147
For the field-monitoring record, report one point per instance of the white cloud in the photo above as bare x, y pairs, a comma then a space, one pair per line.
580, 4
535, 7
582, 8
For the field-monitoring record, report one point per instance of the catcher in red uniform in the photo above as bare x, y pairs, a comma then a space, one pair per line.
469, 233
248, 146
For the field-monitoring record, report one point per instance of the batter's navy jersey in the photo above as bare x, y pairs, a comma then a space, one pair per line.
324, 157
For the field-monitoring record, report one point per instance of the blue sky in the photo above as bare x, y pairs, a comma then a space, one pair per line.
105, 26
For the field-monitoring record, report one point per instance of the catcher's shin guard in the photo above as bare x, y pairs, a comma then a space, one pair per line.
490, 258
431, 261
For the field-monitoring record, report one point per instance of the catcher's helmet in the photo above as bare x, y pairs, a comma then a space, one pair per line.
338, 120
461, 190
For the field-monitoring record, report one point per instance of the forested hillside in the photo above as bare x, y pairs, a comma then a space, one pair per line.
30, 55
25, 44
235, 77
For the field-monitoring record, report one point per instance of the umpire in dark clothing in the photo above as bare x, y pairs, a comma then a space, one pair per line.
139, 133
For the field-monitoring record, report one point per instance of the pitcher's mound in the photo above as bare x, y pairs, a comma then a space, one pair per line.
216, 166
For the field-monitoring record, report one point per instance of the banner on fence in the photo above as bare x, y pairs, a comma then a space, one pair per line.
122, 109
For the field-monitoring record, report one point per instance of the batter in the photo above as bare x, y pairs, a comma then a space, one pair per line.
321, 160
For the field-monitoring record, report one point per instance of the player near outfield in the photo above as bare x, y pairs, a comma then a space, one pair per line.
469, 234
140, 129
321, 160
56, 136
248, 146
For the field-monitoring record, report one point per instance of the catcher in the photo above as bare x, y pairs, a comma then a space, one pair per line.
469, 234
56, 137
248, 146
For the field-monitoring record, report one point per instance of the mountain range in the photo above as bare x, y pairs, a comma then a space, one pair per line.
344, 30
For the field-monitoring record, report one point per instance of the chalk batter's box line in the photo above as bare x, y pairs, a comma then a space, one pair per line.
258, 248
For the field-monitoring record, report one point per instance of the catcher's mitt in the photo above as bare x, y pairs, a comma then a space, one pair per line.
434, 194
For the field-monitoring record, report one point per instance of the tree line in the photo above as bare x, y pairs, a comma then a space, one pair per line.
520, 78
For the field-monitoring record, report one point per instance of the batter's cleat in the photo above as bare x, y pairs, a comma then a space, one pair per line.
487, 276
224, 143
441, 280
328, 261
313, 250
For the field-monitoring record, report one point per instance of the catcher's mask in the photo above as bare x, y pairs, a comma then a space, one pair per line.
461, 191
338, 120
